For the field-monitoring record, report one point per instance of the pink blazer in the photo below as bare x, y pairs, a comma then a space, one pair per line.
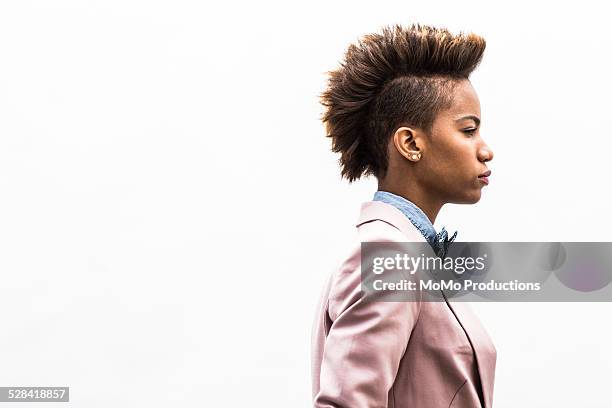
395, 354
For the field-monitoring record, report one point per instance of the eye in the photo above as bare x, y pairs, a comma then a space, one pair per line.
470, 131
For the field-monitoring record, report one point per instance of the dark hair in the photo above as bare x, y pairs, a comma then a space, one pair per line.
402, 76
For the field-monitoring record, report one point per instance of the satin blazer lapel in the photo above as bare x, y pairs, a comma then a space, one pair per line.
477, 336
481, 344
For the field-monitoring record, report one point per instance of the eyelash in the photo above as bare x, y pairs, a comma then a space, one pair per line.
470, 131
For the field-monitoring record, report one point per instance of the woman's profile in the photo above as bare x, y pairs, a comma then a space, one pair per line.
401, 108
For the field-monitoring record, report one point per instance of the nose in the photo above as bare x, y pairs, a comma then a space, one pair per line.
485, 154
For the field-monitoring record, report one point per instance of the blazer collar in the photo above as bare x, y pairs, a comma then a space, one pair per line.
378, 210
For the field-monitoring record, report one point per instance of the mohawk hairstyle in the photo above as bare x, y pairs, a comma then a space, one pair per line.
402, 76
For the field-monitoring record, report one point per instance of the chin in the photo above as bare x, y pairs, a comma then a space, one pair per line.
475, 200
476, 197
468, 199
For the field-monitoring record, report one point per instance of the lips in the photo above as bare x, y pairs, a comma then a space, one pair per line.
484, 177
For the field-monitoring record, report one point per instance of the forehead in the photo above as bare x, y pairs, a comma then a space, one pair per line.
464, 101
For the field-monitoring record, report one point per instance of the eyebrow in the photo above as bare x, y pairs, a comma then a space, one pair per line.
473, 117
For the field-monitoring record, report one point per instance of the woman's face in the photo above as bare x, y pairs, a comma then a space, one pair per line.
454, 154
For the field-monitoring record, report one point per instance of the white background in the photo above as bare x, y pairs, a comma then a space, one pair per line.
169, 206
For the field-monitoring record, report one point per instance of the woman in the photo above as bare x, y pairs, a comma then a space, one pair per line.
401, 108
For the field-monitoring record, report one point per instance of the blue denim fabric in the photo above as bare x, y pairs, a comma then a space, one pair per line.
439, 241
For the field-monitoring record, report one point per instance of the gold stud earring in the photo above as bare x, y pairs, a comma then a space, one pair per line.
415, 156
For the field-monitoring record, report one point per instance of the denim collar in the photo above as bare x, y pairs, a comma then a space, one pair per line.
438, 241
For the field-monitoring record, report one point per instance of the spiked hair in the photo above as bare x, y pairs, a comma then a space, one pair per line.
399, 77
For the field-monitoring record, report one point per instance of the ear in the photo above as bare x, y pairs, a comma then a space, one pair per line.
407, 141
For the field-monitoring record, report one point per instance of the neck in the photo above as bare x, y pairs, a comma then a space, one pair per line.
428, 204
